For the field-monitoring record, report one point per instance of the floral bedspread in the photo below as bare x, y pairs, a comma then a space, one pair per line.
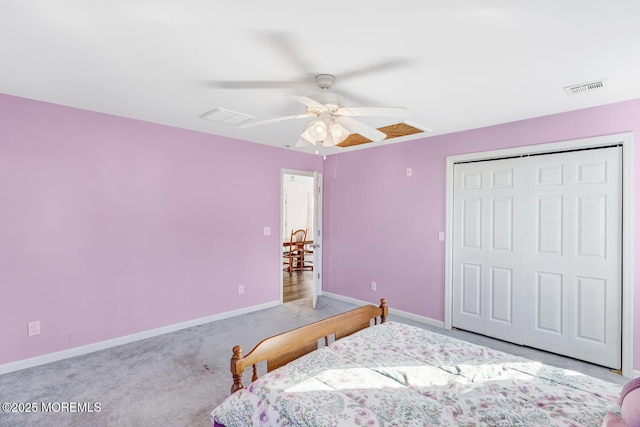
399, 375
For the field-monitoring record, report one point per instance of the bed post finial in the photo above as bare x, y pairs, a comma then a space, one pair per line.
385, 310
237, 376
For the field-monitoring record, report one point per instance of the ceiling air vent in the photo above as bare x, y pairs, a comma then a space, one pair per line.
229, 117
585, 87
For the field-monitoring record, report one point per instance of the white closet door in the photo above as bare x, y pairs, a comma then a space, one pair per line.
488, 249
536, 252
573, 289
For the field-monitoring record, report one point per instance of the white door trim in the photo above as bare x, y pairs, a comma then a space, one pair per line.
318, 192
624, 139
317, 268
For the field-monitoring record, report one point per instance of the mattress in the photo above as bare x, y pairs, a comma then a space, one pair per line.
395, 374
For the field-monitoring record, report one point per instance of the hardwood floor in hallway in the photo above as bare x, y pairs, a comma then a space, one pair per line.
297, 285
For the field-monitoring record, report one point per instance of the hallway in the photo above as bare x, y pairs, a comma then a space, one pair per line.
297, 285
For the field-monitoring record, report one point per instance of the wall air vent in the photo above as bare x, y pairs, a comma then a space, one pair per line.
586, 87
228, 117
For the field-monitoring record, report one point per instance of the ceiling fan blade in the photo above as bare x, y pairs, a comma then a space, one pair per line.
375, 68
256, 84
284, 43
305, 100
355, 126
277, 119
281, 43
395, 112
356, 97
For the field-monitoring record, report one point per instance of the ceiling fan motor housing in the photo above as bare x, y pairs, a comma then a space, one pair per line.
331, 101
325, 81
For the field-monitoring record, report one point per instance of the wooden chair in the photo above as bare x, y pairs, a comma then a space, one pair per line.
307, 263
293, 257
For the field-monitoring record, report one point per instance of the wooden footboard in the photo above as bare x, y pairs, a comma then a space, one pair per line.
281, 349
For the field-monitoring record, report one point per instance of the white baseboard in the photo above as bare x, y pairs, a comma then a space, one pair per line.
392, 311
102, 345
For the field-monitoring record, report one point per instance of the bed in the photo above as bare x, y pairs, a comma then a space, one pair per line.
370, 372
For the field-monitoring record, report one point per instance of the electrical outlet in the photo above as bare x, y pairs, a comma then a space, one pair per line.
33, 328
240, 289
374, 286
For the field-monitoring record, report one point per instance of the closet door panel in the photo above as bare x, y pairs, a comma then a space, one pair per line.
501, 289
487, 291
472, 291
576, 217
595, 261
546, 317
468, 275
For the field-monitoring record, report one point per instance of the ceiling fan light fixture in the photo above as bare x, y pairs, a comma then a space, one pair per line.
306, 134
329, 142
318, 130
338, 133
325, 131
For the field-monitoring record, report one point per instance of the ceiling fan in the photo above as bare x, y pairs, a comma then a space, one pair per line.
333, 122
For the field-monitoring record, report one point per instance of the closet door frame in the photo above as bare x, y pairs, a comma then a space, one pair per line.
623, 139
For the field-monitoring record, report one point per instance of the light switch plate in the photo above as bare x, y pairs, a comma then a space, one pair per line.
267, 231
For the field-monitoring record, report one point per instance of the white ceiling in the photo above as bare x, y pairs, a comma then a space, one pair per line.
454, 64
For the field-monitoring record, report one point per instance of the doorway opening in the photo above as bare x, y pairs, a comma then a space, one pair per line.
299, 212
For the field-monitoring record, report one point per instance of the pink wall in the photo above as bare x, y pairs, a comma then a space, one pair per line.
111, 226
384, 226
